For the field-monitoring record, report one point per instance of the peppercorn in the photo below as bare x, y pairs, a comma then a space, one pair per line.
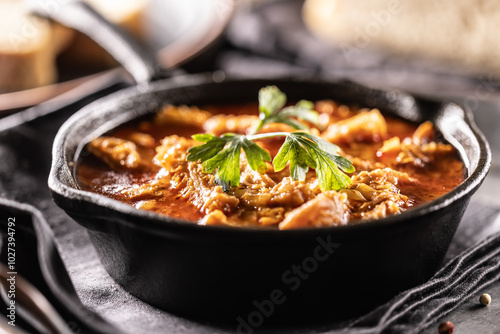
446, 328
485, 299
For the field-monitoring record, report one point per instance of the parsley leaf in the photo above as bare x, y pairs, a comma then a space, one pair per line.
225, 160
271, 102
301, 149
304, 150
302, 110
293, 151
271, 99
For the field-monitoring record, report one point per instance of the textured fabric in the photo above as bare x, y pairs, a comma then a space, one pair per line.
415, 309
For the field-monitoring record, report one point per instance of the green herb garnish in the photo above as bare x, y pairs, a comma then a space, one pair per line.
271, 102
305, 150
227, 160
301, 149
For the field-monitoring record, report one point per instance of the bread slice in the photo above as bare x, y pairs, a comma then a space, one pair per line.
127, 14
27, 50
460, 32
29, 45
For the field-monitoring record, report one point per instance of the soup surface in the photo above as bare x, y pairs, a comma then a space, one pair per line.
398, 164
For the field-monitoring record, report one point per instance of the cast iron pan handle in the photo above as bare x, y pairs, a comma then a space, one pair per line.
83, 18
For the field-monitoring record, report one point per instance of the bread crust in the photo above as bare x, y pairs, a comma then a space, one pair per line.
457, 32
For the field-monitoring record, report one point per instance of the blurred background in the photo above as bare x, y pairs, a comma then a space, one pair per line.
430, 47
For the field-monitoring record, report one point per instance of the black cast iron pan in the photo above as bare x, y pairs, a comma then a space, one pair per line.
250, 275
